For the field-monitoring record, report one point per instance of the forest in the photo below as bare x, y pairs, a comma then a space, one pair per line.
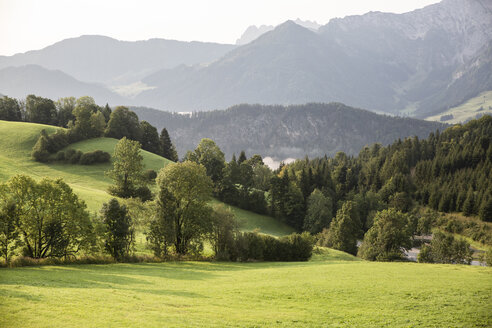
372, 205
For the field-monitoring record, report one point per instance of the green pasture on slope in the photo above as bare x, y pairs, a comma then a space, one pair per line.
332, 290
480, 104
89, 181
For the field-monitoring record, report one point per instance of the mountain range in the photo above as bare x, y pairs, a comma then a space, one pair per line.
418, 63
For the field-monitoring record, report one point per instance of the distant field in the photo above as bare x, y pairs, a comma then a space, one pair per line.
332, 290
89, 181
468, 110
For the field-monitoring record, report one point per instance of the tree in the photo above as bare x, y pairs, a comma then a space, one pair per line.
40, 110
119, 235
127, 172
445, 248
123, 123
98, 124
84, 125
9, 109
486, 210
40, 151
224, 226
9, 222
344, 230
65, 107
150, 138
167, 148
211, 157
388, 238
242, 157
469, 204
185, 189
53, 222
319, 212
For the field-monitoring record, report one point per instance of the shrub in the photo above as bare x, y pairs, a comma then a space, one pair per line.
150, 175
75, 157
251, 246
95, 157
60, 156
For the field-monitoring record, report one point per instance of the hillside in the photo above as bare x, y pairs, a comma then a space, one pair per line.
472, 108
90, 182
282, 132
21, 81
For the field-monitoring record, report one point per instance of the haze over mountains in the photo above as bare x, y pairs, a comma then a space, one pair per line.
282, 132
418, 63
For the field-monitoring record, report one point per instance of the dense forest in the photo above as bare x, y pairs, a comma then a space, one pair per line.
287, 131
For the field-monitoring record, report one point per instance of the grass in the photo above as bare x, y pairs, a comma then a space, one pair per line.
468, 110
89, 181
332, 290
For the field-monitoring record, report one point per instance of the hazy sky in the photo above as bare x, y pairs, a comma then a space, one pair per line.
34, 24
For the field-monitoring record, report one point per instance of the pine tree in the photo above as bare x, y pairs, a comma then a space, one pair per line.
167, 148
469, 204
242, 157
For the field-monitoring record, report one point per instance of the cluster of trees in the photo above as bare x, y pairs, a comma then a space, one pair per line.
83, 119
444, 248
355, 198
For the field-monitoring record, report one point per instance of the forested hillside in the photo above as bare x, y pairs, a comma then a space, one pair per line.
282, 132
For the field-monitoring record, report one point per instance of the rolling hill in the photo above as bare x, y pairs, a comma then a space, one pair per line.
90, 182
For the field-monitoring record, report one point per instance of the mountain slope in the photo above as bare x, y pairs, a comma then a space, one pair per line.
383, 62
101, 59
18, 82
282, 132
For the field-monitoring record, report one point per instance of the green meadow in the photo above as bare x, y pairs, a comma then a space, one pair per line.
480, 104
333, 289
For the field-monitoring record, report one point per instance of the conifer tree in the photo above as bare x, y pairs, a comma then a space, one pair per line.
167, 148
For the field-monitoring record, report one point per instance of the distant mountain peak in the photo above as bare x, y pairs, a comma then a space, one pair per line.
253, 32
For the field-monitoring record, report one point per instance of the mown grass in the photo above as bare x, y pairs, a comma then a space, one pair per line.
332, 290
90, 181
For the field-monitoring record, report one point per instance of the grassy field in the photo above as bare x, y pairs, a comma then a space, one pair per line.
479, 105
332, 290
89, 181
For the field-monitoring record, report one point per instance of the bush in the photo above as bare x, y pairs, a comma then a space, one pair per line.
150, 175
75, 157
95, 157
60, 156
251, 246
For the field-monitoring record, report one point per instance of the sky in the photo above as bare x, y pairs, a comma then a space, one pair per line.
34, 24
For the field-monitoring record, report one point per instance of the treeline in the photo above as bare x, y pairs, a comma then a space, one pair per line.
83, 119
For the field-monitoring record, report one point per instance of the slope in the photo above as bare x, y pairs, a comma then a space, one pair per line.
90, 182
21, 81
